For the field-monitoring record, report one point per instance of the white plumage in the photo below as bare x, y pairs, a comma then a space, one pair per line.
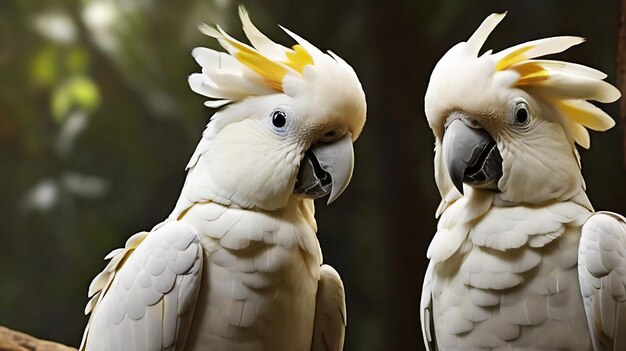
520, 261
149, 304
602, 273
237, 264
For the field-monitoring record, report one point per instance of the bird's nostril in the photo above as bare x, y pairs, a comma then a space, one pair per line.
472, 123
330, 134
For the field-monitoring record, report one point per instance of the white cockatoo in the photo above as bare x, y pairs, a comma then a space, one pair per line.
237, 265
520, 260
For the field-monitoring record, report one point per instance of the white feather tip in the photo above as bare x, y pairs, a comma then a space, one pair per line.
477, 40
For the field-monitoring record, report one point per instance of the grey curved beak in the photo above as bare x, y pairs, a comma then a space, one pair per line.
326, 169
471, 156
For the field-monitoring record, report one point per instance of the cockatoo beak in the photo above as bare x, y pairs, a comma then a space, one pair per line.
471, 156
326, 169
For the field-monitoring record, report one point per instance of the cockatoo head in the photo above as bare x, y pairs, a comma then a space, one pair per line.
287, 121
508, 123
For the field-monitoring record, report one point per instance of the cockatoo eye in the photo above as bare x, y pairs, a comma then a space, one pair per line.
522, 116
279, 118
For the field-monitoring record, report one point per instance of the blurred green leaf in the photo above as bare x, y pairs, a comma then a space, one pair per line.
43, 69
85, 92
76, 60
78, 91
61, 103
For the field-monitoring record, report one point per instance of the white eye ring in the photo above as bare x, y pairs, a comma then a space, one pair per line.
521, 114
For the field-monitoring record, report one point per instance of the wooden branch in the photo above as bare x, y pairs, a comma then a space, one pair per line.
11, 340
621, 72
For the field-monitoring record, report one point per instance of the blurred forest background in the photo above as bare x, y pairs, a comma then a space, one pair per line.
97, 124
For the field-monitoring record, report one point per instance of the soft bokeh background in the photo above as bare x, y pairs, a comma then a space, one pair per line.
97, 124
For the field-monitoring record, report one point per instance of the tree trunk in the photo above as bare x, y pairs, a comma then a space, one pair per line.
621, 71
11, 340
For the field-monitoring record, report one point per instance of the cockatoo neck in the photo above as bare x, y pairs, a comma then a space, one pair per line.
261, 177
200, 187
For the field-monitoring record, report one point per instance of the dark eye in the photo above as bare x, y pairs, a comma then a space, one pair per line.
521, 114
279, 118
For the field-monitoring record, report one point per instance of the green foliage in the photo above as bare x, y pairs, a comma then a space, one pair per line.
44, 66
76, 92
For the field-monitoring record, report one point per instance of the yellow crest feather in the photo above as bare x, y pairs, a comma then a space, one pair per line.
273, 71
516, 56
575, 79
585, 114
298, 58
530, 73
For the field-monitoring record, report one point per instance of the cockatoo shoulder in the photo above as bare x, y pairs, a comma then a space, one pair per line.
330, 312
602, 275
145, 297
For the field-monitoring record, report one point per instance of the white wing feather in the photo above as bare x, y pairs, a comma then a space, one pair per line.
330, 312
426, 311
145, 297
602, 275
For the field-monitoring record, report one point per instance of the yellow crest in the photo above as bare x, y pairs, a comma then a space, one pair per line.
566, 85
530, 72
273, 64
